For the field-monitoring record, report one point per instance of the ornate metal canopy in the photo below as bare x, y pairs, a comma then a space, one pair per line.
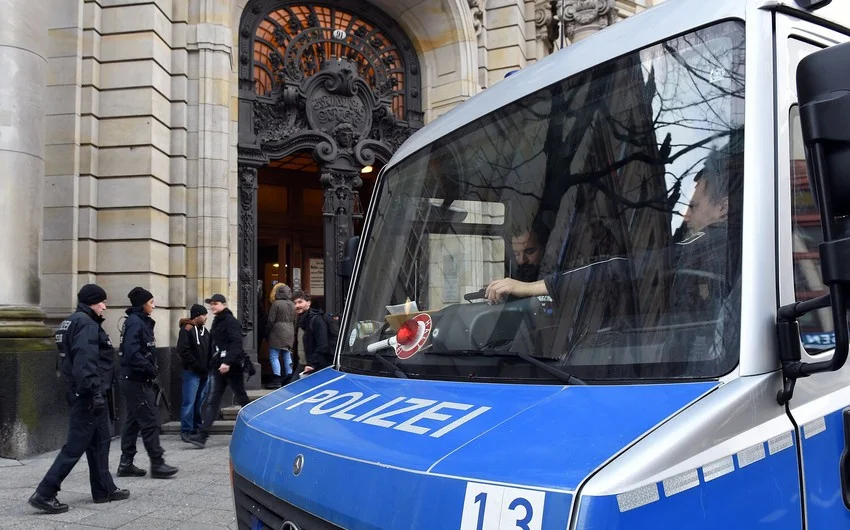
337, 78
285, 44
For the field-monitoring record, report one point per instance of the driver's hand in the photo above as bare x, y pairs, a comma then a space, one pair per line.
498, 290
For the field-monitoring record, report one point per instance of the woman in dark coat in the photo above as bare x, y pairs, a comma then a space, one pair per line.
281, 329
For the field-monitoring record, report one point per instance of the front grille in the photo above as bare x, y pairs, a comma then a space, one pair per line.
258, 509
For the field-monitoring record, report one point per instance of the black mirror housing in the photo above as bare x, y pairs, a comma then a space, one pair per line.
823, 89
823, 92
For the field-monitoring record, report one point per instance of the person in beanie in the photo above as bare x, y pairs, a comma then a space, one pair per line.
316, 347
193, 346
225, 366
282, 322
87, 367
138, 379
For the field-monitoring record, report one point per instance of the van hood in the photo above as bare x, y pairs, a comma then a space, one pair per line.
541, 437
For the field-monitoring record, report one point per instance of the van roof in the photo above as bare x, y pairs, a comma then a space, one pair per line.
633, 33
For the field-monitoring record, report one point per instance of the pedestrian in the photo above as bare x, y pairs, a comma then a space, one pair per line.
225, 366
193, 346
139, 386
87, 367
282, 322
317, 350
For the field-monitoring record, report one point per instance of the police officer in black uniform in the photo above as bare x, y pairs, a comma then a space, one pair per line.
139, 387
87, 366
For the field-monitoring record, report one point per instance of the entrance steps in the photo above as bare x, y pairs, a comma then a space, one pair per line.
228, 416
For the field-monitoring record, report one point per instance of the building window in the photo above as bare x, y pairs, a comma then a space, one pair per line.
292, 43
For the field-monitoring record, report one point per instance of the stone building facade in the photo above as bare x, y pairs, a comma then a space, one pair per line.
127, 148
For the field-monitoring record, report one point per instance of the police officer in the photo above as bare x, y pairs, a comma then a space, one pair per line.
138, 385
88, 367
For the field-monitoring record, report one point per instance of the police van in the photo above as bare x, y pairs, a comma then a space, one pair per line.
605, 293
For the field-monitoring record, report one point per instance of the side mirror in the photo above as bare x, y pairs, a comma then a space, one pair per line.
823, 91
823, 88
346, 266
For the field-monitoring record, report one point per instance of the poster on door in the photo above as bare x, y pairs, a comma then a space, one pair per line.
317, 277
296, 279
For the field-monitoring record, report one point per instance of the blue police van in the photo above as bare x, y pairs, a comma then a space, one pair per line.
606, 293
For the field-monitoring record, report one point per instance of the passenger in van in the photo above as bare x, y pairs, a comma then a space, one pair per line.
707, 256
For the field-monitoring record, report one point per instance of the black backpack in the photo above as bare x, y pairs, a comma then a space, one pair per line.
332, 324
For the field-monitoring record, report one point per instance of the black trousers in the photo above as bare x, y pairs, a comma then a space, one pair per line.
140, 399
87, 433
218, 383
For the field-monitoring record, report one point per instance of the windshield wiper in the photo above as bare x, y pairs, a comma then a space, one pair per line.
566, 377
561, 375
374, 350
396, 371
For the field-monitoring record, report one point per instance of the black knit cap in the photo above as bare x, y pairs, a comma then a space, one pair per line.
197, 310
139, 296
91, 294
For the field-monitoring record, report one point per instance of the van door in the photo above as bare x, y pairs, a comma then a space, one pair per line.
819, 401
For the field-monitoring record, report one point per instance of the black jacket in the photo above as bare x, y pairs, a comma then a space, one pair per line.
316, 349
89, 358
226, 341
194, 345
138, 358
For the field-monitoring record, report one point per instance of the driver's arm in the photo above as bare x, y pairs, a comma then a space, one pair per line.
498, 290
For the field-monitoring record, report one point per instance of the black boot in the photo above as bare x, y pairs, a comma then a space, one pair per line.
127, 469
199, 439
117, 495
159, 469
51, 505
274, 383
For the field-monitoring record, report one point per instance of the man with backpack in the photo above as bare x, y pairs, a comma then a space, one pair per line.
226, 367
320, 333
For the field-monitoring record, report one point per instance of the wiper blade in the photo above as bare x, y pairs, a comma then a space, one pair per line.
396, 371
561, 375
566, 377
374, 350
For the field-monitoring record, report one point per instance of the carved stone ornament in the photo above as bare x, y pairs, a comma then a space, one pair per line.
477, 8
545, 24
585, 17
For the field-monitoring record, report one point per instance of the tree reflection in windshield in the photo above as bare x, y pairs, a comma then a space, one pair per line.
594, 224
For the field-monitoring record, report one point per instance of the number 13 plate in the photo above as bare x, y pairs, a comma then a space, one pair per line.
490, 507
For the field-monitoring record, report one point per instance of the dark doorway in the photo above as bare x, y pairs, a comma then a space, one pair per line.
290, 238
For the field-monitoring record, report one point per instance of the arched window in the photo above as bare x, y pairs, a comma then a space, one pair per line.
291, 42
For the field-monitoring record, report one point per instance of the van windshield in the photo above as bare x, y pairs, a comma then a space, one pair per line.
593, 226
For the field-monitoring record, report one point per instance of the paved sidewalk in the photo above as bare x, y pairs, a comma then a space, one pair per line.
197, 497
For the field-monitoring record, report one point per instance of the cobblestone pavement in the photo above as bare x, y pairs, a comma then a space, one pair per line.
197, 497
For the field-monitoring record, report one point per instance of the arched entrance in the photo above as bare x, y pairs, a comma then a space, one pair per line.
339, 81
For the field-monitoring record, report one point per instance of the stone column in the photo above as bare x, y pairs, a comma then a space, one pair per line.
27, 353
582, 18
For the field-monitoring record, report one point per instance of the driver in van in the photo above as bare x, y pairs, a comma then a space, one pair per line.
528, 246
